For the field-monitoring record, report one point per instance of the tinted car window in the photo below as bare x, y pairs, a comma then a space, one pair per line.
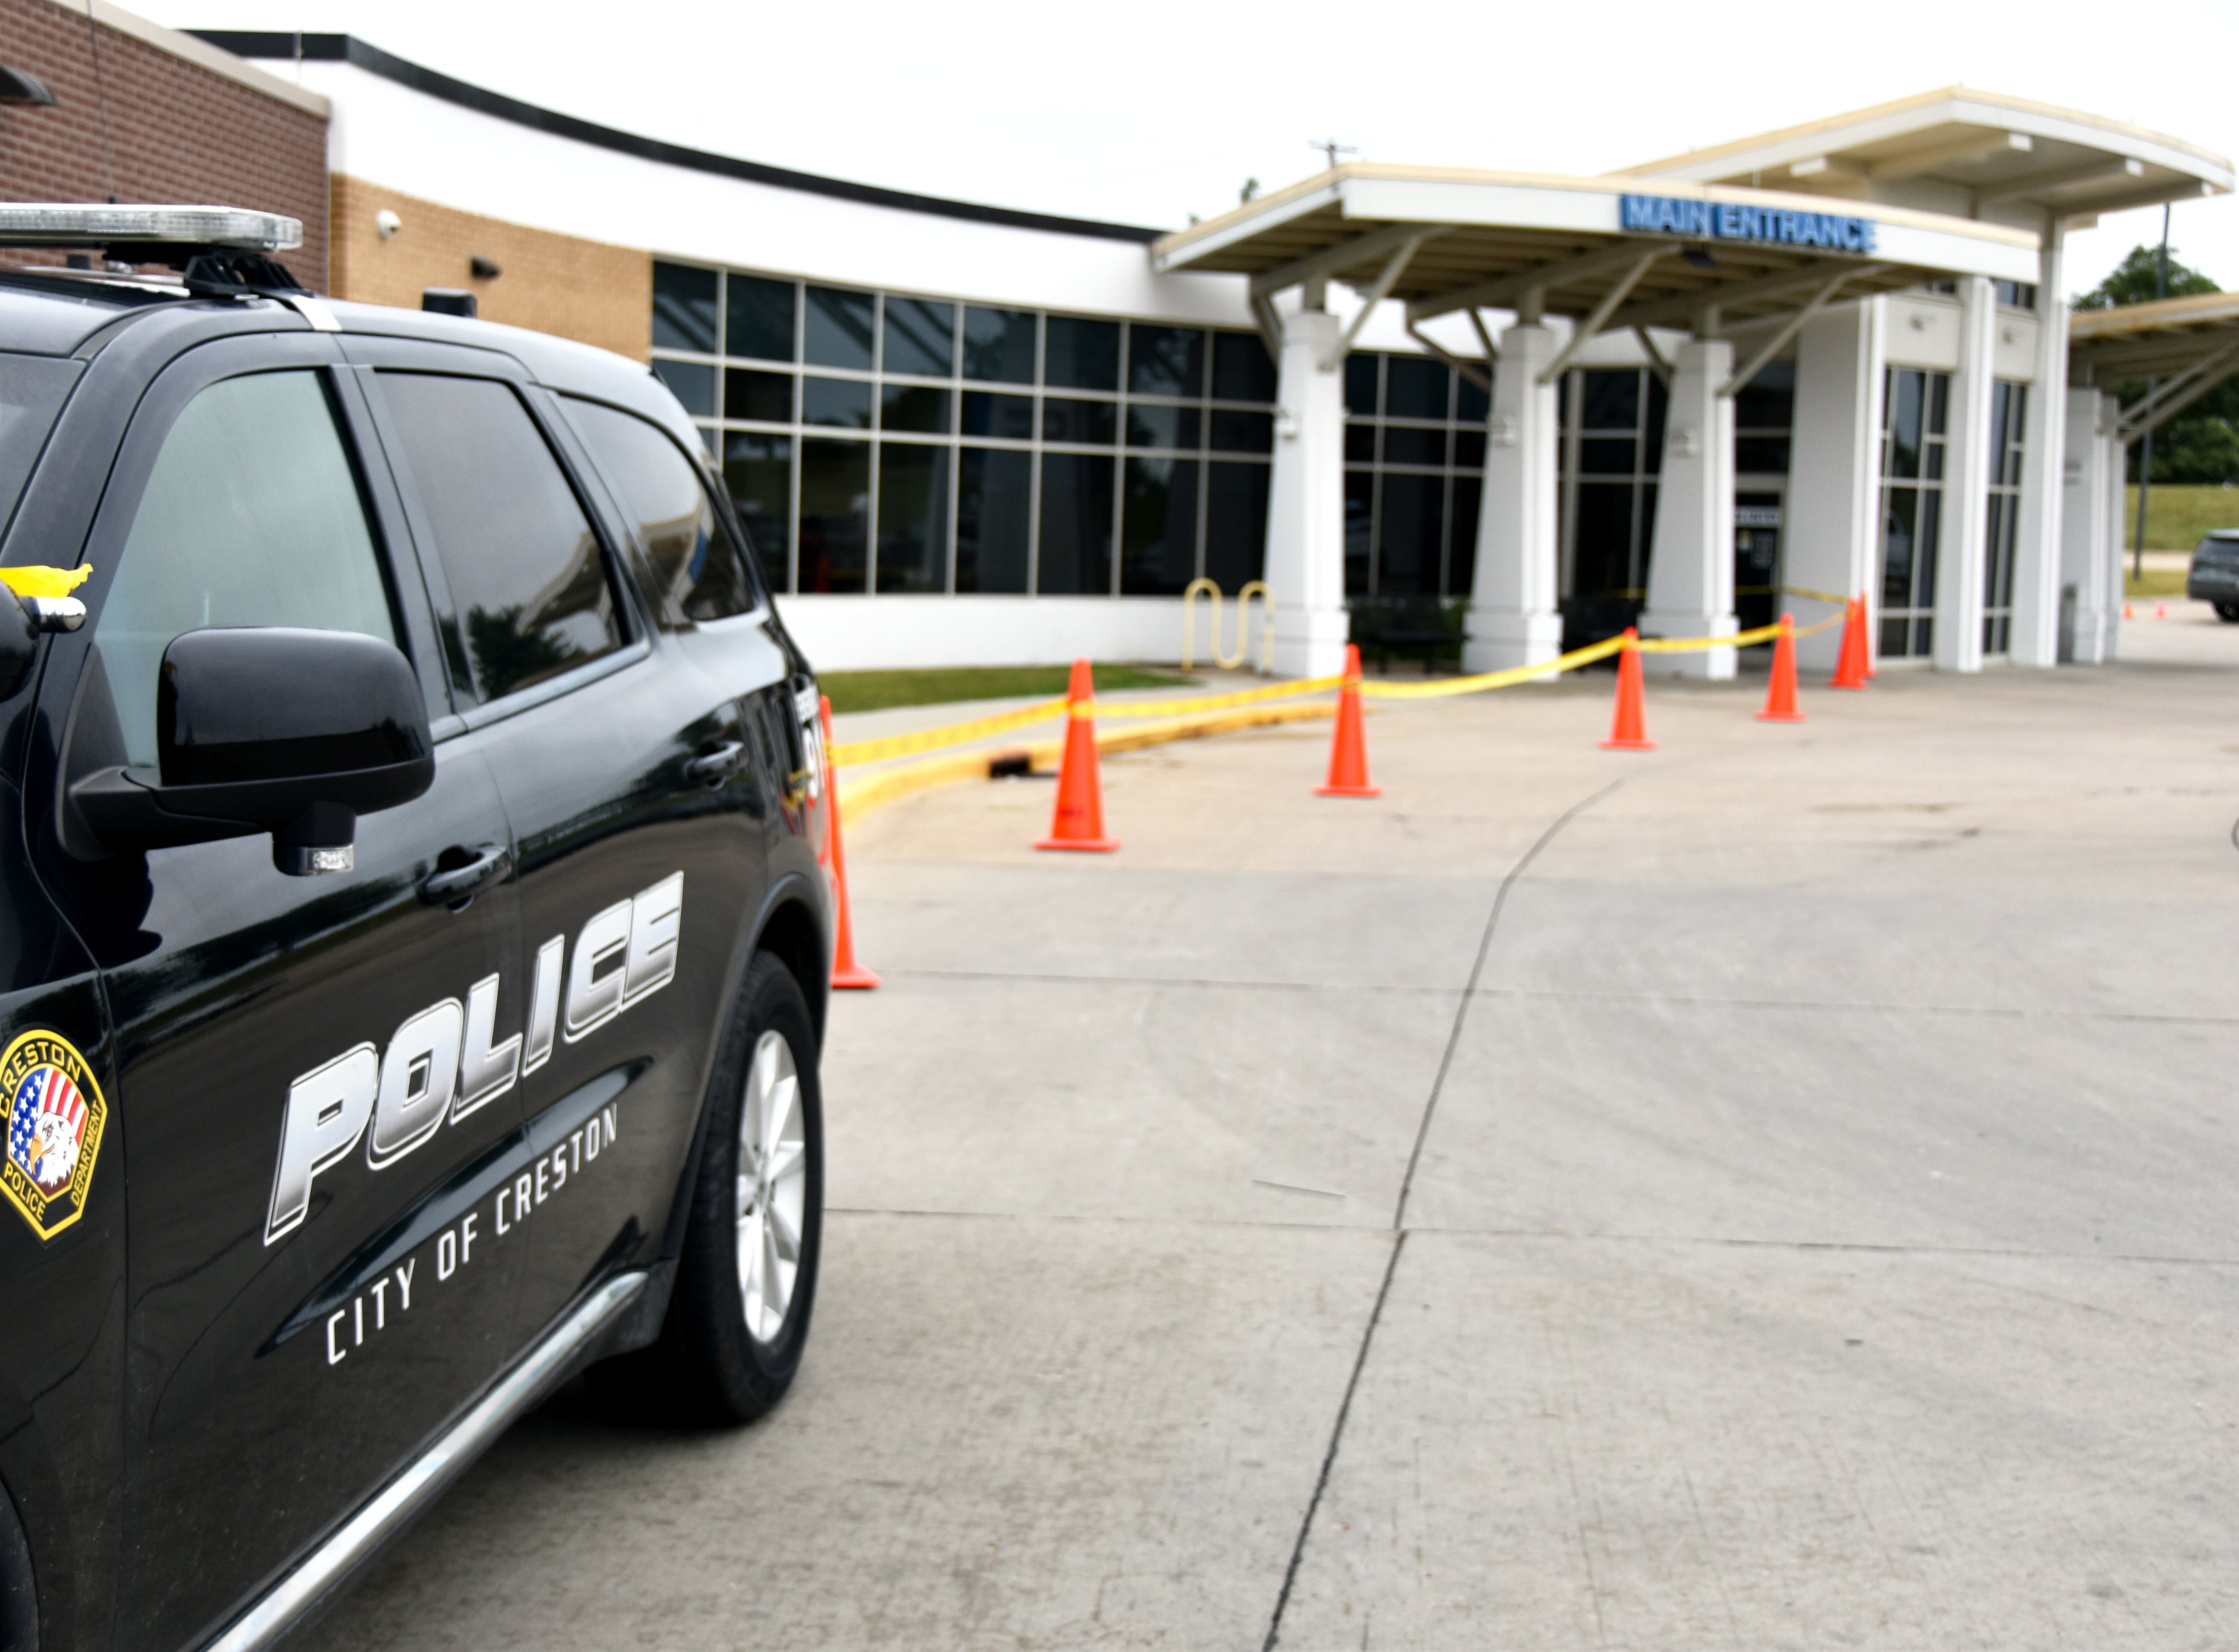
251, 517
527, 576
695, 563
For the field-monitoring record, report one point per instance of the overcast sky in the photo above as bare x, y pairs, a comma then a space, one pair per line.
1152, 111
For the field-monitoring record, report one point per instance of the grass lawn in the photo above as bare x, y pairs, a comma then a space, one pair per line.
877, 690
2158, 581
2177, 516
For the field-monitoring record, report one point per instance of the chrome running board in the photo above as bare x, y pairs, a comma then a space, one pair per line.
443, 1463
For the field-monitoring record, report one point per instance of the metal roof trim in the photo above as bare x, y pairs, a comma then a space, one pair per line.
2134, 320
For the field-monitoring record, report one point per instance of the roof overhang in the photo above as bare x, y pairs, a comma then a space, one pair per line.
2188, 346
1444, 240
1966, 151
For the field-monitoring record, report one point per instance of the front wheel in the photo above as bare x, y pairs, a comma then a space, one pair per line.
2228, 612
746, 1282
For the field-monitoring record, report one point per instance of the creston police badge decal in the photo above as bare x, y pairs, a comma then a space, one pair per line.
55, 1118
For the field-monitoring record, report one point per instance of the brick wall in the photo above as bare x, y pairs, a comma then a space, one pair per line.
587, 290
177, 132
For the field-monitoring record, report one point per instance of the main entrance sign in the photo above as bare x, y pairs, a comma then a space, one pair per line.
1728, 221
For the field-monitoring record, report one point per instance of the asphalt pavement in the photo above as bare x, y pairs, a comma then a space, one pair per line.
1774, 1192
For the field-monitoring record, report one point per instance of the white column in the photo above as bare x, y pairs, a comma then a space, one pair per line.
2085, 553
1966, 484
2037, 553
1833, 517
2116, 465
1305, 502
1512, 618
1690, 569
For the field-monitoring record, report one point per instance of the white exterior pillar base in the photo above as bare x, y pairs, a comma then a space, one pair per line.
1705, 664
1690, 573
2037, 552
1513, 617
1306, 500
2091, 542
1497, 641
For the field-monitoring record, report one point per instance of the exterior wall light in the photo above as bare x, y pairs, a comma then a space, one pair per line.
483, 269
16, 87
386, 223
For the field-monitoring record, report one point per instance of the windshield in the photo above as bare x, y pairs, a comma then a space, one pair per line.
32, 390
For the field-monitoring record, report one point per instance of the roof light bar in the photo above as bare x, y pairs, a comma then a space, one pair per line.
51, 225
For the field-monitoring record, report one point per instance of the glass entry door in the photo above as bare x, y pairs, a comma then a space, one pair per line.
1757, 519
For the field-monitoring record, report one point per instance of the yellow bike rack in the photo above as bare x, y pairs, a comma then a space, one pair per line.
1227, 662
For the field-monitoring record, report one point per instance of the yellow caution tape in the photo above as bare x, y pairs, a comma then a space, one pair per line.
932, 740
33, 581
1764, 633
1207, 702
1817, 596
1696, 644
1439, 688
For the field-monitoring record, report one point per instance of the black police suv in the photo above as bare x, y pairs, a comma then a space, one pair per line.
414, 935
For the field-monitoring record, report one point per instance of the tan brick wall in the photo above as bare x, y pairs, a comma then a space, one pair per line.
587, 290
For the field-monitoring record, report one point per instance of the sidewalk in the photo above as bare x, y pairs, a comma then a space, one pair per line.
1771, 1191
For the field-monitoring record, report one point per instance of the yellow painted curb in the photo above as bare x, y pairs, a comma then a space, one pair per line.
860, 794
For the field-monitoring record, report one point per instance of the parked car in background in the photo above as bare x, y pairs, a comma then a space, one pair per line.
2214, 576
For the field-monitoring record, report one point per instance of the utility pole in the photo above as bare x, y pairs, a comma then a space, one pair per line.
2146, 451
1332, 148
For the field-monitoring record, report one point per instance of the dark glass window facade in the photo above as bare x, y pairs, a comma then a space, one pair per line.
903, 445
1916, 414
1610, 454
1414, 450
2009, 428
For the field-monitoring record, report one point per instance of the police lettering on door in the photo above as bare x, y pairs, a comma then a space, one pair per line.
444, 1062
368, 1305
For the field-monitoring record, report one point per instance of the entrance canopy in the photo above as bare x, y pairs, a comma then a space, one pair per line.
2188, 346
1614, 252
1974, 154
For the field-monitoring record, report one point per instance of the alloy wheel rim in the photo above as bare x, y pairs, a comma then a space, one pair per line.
773, 1187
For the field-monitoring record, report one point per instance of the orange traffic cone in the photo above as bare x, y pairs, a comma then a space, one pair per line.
1348, 769
1628, 727
1780, 693
1078, 821
2127, 615
846, 972
1850, 658
2161, 610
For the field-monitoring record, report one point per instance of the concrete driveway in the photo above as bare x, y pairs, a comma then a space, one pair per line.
1777, 1191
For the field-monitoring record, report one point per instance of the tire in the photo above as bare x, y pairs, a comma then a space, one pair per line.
2228, 612
735, 1332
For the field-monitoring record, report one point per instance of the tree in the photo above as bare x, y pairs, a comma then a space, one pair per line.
2202, 443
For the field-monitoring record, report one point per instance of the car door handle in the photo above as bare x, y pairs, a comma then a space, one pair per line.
712, 768
455, 886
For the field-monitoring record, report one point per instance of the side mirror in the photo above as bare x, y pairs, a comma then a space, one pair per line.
271, 729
